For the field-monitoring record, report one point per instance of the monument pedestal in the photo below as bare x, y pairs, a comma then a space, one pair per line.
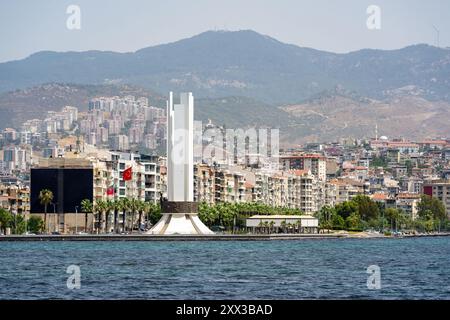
179, 217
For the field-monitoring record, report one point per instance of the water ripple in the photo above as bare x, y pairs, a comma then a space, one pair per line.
315, 269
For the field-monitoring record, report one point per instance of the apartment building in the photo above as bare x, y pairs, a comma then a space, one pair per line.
15, 198
408, 203
204, 183
144, 184
229, 186
439, 189
315, 163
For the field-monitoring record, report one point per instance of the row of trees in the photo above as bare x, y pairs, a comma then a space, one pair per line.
229, 216
232, 215
357, 214
363, 213
17, 223
45, 198
134, 213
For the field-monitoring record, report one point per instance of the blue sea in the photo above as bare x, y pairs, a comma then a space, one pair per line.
409, 268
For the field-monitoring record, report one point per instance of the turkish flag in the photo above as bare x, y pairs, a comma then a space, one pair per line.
126, 175
110, 191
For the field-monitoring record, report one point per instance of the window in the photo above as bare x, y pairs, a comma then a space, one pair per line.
121, 166
122, 192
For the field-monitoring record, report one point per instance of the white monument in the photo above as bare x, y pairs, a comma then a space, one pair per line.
179, 211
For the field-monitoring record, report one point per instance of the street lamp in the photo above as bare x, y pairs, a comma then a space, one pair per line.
54, 212
76, 222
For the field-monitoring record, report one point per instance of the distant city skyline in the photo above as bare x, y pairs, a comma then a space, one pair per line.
29, 27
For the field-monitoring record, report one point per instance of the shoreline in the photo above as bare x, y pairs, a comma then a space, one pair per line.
215, 237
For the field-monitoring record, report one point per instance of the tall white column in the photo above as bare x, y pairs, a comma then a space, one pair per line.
180, 147
181, 216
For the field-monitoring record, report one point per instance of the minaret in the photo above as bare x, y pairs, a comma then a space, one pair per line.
180, 212
376, 131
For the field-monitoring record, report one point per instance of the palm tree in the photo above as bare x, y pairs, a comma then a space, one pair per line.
95, 214
86, 207
271, 226
155, 211
260, 226
109, 207
283, 226
143, 207
297, 226
266, 226
45, 197
101, 207
234, 213
118, 206
289, 226
125, 207
134, 206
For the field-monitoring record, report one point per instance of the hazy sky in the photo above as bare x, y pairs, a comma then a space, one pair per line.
339, 26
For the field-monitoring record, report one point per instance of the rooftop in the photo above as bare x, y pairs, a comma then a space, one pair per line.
63, 163
280, 216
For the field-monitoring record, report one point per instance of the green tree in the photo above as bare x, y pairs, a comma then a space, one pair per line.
118, 207
338, 222
325, 216
405, 221
367, 208
346, 208
100, 208
6, 219
429, 204
126, 205
153, 213
135, 205
207, 214
86, 207
409, 167
19, 225
142, 209
45, 198
353, 221
109, 207
428, 225
35, 224
392, 215
379, 162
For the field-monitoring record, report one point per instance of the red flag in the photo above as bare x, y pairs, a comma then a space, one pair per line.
126, 175
110, 191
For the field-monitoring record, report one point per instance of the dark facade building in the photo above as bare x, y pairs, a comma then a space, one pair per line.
69, 181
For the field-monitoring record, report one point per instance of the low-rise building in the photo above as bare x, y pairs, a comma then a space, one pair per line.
283, 223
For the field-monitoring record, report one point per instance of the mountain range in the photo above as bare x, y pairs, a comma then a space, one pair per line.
242, 79
217, 64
